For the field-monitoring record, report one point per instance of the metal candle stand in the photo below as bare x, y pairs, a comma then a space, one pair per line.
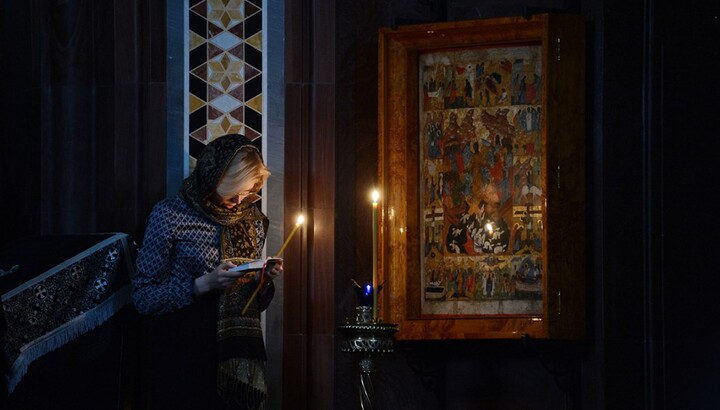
368, 339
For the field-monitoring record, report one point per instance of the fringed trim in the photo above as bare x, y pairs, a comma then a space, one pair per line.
241, 383
66, 333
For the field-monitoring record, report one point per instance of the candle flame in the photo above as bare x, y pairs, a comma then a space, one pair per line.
375, 196
299, 221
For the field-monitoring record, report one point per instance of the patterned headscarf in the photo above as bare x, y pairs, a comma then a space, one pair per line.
239, 222
241, 351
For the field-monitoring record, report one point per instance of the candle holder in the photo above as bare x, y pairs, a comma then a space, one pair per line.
367, 339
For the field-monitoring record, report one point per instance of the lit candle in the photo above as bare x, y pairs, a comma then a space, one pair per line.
299, 221
375, 198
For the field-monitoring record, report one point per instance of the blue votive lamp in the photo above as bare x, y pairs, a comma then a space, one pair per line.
365, 294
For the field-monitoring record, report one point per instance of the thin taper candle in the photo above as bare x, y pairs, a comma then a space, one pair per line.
375, 198
300, 220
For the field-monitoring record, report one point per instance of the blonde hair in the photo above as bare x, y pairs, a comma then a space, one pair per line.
246, 165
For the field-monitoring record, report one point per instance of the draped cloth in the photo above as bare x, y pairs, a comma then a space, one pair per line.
62, 287
241, 351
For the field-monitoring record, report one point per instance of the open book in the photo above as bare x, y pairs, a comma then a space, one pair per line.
256, 264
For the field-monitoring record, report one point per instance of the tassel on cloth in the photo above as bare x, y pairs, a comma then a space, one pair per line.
241, 383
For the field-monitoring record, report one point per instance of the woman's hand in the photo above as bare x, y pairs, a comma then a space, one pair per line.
274, 269
220, 278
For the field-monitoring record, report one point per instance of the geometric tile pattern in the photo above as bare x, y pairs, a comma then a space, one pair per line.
225, 55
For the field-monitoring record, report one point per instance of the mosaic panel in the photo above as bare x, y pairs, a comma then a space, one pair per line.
225, 58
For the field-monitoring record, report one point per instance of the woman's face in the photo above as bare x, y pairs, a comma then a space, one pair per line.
245, 190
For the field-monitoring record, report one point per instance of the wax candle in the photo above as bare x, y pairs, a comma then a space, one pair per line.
375, 198
299, 221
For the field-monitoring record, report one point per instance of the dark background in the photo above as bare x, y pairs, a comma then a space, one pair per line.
84, 86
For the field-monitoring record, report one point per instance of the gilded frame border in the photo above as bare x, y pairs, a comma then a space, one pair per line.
400, 225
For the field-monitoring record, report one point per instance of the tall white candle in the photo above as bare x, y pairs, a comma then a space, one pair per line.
375, 198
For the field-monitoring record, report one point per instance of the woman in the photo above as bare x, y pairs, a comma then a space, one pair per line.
204, 352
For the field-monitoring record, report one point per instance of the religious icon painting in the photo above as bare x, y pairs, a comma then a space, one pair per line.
481, 160
481, 147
